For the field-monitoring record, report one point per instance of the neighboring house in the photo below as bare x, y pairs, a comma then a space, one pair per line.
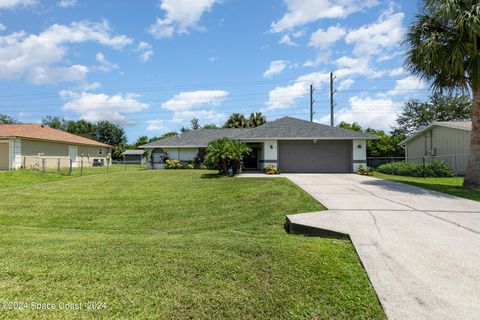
35, 145
447, 141
134, 157
292, 145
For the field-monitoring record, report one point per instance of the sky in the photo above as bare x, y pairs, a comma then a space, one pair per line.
153, 65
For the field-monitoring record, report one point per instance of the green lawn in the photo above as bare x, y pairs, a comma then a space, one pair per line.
451, 186
174, 245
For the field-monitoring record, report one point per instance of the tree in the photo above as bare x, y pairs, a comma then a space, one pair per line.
385, 146
194, 125
350, 126
82, 128
236, 120
223, 152
110, 133
55, 123
4, 119
140, 142
256, 119
444, 48
211, 126
417, 114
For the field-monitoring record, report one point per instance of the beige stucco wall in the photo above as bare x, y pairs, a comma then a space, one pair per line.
49, 149
4, 154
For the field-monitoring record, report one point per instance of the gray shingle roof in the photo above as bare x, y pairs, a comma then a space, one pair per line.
283, 128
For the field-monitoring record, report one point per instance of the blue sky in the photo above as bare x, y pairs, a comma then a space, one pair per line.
152, 65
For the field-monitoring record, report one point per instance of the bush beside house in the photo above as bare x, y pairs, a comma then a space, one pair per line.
435, 169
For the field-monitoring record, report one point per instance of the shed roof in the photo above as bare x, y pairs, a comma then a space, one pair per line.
40, 132
133, 152
460, 125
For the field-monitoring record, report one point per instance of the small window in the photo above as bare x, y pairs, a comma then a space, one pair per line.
100, 151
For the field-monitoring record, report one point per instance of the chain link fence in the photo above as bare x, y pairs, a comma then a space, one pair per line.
457, 162
83, 166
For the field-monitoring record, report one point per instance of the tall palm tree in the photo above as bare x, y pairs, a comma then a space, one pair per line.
236, 120
256, 119
444, 43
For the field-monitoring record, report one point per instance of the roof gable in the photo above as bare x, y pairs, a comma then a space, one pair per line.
40, 132
459, 125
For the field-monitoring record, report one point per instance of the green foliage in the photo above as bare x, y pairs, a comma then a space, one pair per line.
211, 126
224, 153
271, 170
385, 146
236, 120
365, 171
433, 169
350, 126
4, 119
55, 122
256, 119
173, 164
440, 107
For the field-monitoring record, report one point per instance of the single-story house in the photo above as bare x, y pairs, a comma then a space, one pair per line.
34, 145
448, 141
134, 156
291, 144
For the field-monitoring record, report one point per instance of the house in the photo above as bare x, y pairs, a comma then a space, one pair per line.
35, 145
134, 157
291, 144
447, 141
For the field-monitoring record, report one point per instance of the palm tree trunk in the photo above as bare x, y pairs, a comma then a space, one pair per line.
472, 177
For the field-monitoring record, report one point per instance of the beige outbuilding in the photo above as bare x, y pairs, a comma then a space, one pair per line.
34, 145
448, 141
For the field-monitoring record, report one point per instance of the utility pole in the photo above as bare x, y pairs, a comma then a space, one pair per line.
332, 103
311, 102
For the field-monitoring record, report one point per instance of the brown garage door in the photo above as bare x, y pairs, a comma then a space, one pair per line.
324, 156
4, 156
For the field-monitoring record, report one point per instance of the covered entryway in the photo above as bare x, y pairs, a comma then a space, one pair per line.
4, 155
322, 156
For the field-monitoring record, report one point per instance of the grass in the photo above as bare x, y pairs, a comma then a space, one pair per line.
451, 186
174, 245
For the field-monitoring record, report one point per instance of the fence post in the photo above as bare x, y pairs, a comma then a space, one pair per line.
424, 173
58, 165
43, 165
70, 167
81, 166
24, 162
456, 167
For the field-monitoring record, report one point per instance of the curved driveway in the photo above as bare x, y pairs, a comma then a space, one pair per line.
420, 248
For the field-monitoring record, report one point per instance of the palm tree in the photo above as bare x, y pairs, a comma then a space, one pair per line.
236, 120
256, 119
444, 43
225, 151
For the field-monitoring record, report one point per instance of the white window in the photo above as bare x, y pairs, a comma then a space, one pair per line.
100, 151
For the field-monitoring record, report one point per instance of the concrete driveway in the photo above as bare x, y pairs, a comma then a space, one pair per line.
420, 248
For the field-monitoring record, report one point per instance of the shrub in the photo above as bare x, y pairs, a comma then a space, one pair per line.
271, 170
365, 171
437, 169
225, 153
173, 164
189, 166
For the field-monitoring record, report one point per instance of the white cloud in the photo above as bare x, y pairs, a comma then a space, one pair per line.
373, 39
155, 125
10, 4
301, 12
321, 58
187, 100
345, 84
180, 16
407, 85
145, 51
397, 72
2, 27
213, 59
323, 39
67, 3
288, 41
285, 97
360, 66
276, 67
36, 56
368, 112
97, 107
205, 115
105, 65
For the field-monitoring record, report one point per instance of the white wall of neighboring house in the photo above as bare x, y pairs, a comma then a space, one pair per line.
15, 154
270, 154
359, 154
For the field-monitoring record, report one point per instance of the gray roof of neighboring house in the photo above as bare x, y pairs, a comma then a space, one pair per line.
133, 152
283, 128
461, 125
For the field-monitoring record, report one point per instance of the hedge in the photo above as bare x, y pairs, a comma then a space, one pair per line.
434, 169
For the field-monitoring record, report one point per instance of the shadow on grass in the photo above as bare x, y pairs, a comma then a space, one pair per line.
211, 176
